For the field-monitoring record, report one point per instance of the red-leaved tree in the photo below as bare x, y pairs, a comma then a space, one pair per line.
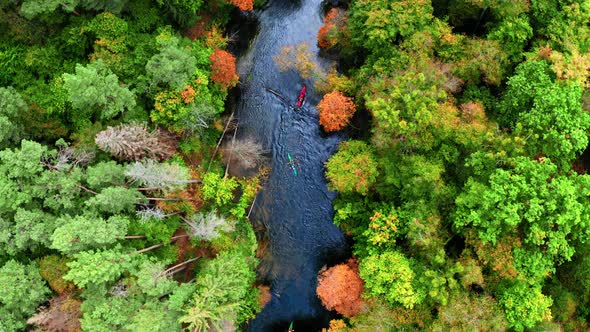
340, 289
243, 4
328, 35
223, 68
335, 111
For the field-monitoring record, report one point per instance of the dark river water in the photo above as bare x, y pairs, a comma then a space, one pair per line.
297, 210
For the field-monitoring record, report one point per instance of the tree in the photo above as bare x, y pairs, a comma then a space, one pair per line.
352, 169
547, 209
375, 24
466, 312
243, 4
218, 189
95, 91
104, 174
174, 65
12, 106
28, 230
97, 267
340, 288
525, 305
33, 8
513, 33
246, 152
389, 275
223, 69
152, 174
556, 124
136, 142
380, 316
86, 232
334, 21
222, 292
21, 291
208, 226
114, 200
335, 111
547, 114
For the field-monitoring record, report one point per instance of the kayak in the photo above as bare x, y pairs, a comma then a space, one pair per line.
292, 164
301, 98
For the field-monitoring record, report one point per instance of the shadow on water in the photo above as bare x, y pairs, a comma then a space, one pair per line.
296, 211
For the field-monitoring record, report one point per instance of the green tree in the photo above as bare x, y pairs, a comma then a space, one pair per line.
33, 8
525, 305
12, 106
114, 200
222, 292
85, 232
174, 65
389, 274
218, 189
352, 169
547, 114
547, 209
375, 25
30, 230
513, 33
104, 174
100, 266
21, 291
95, 93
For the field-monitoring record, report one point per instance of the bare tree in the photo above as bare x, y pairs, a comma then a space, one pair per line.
67, 157
152, 174
149, 213
208, 226
247, 152
135, 142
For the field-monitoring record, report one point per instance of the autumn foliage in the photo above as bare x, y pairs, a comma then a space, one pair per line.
335, 111
243, 4
223, 68
340, 289
333, 22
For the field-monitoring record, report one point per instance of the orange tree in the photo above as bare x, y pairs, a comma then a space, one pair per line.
334, 22
223, 68
335, 111
243, 4
340, 289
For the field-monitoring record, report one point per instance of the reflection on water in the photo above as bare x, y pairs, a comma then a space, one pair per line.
296, 210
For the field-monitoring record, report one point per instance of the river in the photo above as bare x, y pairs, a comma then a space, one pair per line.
297, 210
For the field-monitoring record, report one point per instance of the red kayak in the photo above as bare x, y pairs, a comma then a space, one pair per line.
301, 97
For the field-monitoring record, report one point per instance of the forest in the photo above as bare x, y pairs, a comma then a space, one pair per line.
468, 199
117, 212
463, 185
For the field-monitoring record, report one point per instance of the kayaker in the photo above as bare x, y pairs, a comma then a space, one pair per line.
293, 164
301, 98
